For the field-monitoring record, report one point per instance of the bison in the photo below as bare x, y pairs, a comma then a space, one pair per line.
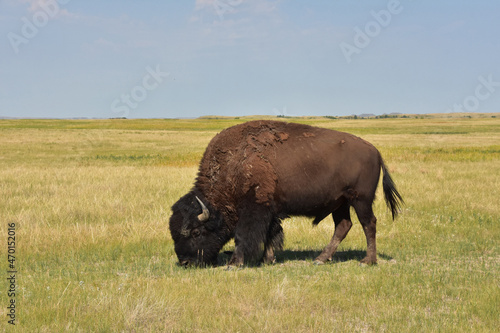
255, 174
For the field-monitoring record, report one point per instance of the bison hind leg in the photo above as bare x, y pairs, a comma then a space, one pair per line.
369, 222
343, 224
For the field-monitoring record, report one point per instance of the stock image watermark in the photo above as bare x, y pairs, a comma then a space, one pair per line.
30, 28
363, 36
223, 7
11, 273
283, 113
483, 91
127, 101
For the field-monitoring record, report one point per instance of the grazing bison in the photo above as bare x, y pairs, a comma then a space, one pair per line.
254, 174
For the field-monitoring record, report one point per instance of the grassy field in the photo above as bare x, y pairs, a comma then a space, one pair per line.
91, 200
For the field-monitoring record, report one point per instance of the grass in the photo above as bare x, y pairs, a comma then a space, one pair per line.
91, 201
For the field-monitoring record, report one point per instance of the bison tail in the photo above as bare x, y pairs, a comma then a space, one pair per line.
392, 197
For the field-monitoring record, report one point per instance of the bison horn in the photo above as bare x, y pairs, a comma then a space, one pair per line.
205, 213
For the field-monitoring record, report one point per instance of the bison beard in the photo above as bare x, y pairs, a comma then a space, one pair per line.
255, 174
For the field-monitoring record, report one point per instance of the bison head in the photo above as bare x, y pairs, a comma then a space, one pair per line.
198, 232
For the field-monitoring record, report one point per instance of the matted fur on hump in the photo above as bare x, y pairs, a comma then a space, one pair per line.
238, 162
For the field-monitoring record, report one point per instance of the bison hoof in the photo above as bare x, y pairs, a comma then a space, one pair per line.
318, 262
231, 268
269, 261
368, 262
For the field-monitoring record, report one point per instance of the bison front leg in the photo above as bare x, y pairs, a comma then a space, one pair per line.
274, 241
238, 257
343, 224
251, 235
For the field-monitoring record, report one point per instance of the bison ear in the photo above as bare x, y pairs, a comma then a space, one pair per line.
205, 212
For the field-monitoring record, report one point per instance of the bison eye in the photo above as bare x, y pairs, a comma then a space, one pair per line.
195, 233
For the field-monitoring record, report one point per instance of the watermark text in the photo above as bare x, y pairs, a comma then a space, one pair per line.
11, 273
139, 93
483, 91
363, 37
31, 27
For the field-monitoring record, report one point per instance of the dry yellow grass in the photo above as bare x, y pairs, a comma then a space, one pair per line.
91, 202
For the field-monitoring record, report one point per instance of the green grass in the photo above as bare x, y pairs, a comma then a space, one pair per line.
91, 201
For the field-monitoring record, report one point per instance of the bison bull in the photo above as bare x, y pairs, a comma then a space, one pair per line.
255, 174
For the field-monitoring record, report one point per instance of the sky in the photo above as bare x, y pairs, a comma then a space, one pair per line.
191, 58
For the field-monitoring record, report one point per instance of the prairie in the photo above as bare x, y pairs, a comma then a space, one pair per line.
91, 201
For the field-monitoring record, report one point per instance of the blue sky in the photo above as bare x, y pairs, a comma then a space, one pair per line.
166, 59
